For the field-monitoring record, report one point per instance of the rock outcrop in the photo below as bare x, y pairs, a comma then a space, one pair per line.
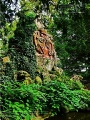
45, 51
23, 76
44, 46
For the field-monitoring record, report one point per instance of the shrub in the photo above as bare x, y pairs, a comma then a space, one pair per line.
71, 84
59, 97
20, 101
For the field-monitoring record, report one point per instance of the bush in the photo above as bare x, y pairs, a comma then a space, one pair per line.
60, 97
71, 84
20, 101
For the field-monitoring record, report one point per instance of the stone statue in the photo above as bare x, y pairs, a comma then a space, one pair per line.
45, 52
43, 44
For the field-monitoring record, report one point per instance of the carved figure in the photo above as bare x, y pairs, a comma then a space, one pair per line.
45, 52
38, 42
43, 44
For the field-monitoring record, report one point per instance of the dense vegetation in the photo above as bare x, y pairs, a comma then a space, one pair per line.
20, 101
21, 46
68, 21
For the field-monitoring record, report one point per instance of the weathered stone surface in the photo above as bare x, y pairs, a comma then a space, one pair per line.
38, 80
76, 77
43, 44
23, 76
6, 59
45, 52
58, 71
38, 22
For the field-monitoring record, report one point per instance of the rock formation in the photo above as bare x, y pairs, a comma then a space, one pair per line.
23, 76
44, 46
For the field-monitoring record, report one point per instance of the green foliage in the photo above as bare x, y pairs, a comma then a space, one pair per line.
6, 33
16, 38
8, 30
61, 97
21, 46
68, 23
20, 101
71, 84
7, 23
